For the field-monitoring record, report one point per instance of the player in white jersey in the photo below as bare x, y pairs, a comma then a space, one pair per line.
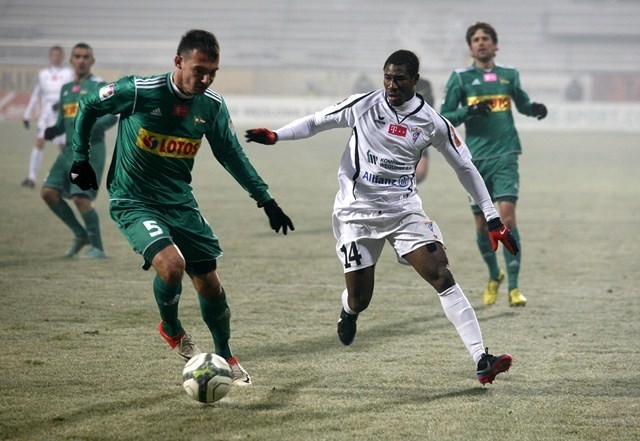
378, 201
45, 96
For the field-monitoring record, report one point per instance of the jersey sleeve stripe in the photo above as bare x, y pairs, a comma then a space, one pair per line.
449, 135
352, 103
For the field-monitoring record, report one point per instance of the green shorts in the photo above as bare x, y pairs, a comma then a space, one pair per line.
501, 177
151, 228
58, 176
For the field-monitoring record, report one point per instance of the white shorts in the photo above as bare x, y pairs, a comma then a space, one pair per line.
47, 119
360, 242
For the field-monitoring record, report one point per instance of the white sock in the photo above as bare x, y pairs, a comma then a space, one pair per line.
34, 163
345, 303
460, 313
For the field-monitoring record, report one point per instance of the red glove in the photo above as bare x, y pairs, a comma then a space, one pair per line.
261, 136
499, 233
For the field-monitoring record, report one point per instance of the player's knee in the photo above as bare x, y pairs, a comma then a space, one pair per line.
441, 279
50, 196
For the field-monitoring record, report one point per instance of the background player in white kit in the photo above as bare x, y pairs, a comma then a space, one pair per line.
378, 202
45, 96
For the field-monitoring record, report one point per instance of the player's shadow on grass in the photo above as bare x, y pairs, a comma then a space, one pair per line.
370, 336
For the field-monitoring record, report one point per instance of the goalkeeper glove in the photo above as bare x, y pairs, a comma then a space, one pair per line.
261, 136
277, 218
481, 108
538, 110
499, 233
83, 175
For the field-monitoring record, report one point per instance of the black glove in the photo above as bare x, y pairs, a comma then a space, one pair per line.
277, 218
52, 132
499, 233
261, 136
538, 110
55, 107
481, 108
26, 123
83, 175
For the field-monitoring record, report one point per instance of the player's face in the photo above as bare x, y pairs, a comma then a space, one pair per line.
81, 61
482, 47
399, 86
195, 72
55, 57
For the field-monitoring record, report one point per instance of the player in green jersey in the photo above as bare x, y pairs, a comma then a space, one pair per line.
481, 97
163, 119
57, 186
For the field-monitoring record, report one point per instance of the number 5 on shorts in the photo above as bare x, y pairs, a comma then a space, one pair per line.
352, 256
152, 227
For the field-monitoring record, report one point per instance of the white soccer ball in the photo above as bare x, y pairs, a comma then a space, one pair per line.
207, 378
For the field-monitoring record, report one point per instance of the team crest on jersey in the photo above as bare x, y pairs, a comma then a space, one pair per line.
198, 120
397, 130
107, 91
167, 146
415, 134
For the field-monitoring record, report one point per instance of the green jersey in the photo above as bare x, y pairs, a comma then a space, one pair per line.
495, 135
159, 134
70, 96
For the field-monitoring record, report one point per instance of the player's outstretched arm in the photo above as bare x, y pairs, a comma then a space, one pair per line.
261, 136
277, 218
499, 233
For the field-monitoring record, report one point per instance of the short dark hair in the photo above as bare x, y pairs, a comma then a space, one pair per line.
85, 46
203, 41
485, 27
404, 58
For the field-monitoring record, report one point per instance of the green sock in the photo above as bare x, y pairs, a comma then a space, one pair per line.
167, 298
66, 215
217, 316
488, 255
513, 262
92, 223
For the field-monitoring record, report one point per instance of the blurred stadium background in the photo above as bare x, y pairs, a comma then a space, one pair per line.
311, 53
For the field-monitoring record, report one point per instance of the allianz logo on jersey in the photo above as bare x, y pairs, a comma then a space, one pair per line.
402, 181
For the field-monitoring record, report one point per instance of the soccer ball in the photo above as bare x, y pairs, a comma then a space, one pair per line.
207, 378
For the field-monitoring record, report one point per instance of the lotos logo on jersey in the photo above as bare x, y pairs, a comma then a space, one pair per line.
499, 103
107, 91
167, 146
397, 130
70, 110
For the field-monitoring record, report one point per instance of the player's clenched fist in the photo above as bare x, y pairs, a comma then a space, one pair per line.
83, 176
261, 136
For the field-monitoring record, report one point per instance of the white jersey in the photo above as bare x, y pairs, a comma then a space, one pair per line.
47, 94
377, 170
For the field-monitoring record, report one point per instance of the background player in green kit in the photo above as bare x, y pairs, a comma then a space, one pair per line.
57, 185
163, 119
480, 96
